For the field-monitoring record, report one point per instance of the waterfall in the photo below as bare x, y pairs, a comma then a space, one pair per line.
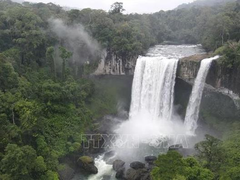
153, 87
151, 121
192, 112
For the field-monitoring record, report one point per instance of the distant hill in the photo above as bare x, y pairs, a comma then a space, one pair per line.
204, 3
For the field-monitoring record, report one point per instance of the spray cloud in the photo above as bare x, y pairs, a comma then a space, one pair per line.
77, 40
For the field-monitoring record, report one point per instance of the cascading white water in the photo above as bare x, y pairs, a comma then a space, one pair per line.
105, 170
194, 103
151, 113
151, 118
153, 87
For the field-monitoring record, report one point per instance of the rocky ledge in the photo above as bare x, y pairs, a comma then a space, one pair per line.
221, 78
188, 67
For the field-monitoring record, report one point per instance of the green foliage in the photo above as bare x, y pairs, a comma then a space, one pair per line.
50, 59
230, 54
44, 109
194, 171
64, 54
24, 28
117, 7
221, 157
231, 144
21, 162
40, 165
210, 153
86, 159
8, 78
172, 166
104, 99
168, 166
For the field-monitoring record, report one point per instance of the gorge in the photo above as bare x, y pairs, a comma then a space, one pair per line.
153, 117
93, 94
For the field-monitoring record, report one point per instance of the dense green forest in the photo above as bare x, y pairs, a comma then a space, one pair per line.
205, 3
47, 99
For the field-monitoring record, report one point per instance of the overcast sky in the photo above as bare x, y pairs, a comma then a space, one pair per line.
131, 6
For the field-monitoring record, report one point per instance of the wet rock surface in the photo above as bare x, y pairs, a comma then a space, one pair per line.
118, 164
137, 165
150, 159
139, 174
66, 173
87, 164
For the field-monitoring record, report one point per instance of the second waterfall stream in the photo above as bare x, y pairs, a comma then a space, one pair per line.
193, 107
152, 117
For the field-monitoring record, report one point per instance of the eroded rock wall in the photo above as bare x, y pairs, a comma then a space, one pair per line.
220, 77
111, 64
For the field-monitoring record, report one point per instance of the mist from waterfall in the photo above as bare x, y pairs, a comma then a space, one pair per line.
152, 118
192, 113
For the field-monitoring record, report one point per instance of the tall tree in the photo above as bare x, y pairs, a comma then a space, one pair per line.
65, 55
117, 8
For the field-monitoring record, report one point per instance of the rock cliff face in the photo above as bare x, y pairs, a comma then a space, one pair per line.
188, 67
221, 96
220, 99
224, 80
113, 65
221, 78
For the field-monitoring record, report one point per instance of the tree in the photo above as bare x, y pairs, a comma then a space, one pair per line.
172, 166
194, 171
24, 28
8, 77
50, 59
117, 8
73, 15
230, 169
211, 154
65, 55
168, 166
21, 163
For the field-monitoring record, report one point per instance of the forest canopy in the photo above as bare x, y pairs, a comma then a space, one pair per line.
46, 98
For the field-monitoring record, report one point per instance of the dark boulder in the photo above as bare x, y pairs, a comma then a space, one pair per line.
150, 159
150, 167
66, 173
137, 165
140, 174
118, 164
120, 173
87, 163
108, 155
175, 147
